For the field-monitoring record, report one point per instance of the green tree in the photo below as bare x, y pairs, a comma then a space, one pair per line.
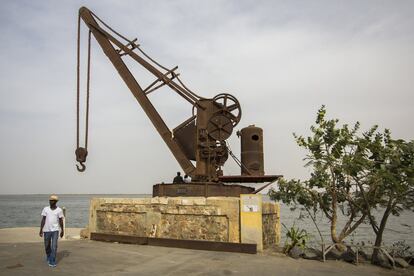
367, 177
383, 169
330, 188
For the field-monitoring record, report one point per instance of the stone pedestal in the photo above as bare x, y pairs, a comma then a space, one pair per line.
188, 218
251, 221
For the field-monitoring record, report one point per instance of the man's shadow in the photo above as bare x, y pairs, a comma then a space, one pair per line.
62, 254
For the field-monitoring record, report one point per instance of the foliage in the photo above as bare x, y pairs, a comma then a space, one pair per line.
296, 237
383, 169
401, 249
330, 187
352, 174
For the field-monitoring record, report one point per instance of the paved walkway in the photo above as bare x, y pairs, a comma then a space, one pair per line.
31, 234
84, 257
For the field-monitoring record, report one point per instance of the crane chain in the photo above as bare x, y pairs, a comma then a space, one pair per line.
82, 152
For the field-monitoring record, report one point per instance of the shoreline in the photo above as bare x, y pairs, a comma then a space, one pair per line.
31, 234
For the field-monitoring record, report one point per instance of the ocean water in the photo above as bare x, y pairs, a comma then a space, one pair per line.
399, 228
24, 211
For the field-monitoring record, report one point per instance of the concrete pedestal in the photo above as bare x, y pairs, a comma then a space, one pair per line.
187, 218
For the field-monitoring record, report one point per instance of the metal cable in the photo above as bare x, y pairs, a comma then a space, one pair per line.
112, 30
77, 84
88, 76
142, 51
238, 162
148, 57
166, 69
81, 152
78, 90
129, 41
186, 88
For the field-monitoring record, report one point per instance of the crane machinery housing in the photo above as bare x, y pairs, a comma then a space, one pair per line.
199, 143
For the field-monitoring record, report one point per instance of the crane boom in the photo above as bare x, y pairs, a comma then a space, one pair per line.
104, 39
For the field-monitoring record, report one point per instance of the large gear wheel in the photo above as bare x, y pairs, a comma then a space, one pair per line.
220, 127
230, 107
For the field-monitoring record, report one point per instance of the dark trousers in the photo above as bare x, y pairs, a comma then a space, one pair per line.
51, 239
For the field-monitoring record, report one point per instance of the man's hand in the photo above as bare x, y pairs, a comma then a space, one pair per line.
42, 224
61, 227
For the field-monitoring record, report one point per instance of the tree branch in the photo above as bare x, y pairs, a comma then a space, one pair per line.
368, 207
356, 224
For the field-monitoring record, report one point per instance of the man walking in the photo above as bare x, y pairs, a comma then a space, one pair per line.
52, 220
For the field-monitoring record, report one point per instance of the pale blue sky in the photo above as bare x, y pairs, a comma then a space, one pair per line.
281, 59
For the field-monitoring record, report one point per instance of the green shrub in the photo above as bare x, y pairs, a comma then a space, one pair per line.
295, 237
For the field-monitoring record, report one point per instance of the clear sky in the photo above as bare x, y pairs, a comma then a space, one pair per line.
281, 59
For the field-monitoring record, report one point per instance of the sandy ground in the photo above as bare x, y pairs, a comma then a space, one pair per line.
21, 253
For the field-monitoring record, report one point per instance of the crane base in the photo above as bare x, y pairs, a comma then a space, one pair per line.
205, 189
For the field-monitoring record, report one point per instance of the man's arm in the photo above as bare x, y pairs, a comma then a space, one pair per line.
61, 227
42, 223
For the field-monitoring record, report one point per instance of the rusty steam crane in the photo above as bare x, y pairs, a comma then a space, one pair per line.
200, 139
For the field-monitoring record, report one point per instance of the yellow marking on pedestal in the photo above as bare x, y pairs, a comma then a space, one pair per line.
251, 229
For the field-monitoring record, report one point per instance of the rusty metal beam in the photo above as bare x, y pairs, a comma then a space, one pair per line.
135, 88
248, 178
204, 189
186, 95
149, 89
264, 186
187, 244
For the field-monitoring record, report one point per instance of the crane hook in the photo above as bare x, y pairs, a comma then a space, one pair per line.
81, 154
82, 167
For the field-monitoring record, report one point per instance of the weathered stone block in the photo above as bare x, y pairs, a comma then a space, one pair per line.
271, 224
121, 223
84, 233
200, 201
198, 218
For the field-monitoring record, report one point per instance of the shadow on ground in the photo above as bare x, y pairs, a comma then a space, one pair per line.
62, 254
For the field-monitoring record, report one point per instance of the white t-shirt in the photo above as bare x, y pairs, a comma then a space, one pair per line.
52, 218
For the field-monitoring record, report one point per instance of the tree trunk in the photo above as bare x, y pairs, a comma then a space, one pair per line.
334, 222
378, 239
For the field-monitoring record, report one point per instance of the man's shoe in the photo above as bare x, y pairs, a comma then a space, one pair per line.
52, 265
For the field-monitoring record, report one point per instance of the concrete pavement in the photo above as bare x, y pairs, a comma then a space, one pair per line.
84, 257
